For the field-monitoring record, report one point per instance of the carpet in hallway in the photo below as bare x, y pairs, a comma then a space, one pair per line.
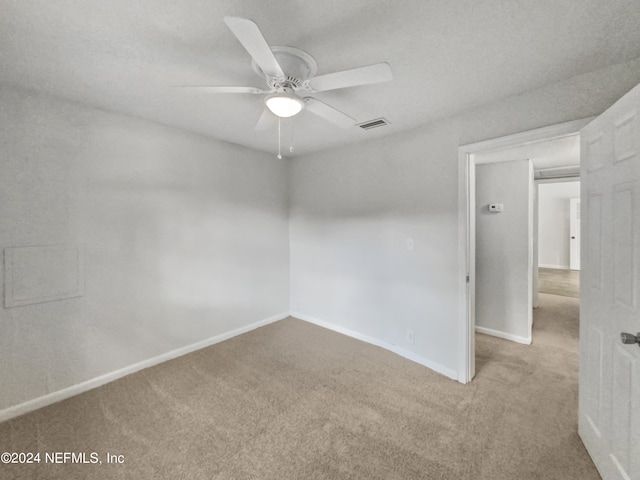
559, 282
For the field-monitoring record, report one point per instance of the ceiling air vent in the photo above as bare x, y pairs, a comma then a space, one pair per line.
378, 122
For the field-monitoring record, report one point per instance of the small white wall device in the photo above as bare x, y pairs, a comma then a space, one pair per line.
495, 207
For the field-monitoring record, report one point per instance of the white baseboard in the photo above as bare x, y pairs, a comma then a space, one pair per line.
506, 336
67, 392
379, 343
557, 267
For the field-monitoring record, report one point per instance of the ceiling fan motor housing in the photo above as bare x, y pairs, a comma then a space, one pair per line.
297, 65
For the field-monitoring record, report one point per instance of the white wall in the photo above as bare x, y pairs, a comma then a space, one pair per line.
352, 212
352, 209
185, 238
504, 249
553, 228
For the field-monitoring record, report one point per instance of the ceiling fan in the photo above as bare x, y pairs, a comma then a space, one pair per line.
290, 75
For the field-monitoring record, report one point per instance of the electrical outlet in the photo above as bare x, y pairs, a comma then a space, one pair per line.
410, 336
296, 307
410, 244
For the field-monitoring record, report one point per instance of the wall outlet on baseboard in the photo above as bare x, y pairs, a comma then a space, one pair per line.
410, 336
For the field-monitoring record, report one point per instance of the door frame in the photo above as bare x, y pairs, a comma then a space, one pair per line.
467, 227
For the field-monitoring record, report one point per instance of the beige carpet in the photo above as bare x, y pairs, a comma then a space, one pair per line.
559, 282
295, 401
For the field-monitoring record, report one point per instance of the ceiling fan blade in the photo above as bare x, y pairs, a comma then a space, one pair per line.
328, 113
251, 38
266, 120
380, 72
223, 89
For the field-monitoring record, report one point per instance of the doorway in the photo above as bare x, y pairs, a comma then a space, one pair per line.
559, 236
500, 150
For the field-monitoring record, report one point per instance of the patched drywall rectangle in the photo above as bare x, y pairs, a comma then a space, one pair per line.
38, 274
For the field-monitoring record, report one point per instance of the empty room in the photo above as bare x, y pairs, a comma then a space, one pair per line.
240, 240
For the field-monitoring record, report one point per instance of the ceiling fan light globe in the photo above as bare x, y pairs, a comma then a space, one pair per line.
284, 104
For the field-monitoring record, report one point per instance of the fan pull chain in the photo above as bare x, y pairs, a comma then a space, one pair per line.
291, 137
279, 140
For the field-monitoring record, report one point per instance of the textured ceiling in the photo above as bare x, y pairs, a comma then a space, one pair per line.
127, 55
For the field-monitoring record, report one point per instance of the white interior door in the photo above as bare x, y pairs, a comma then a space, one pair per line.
609, 411
574, 233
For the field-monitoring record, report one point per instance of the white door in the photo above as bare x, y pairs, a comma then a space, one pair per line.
574, 233
609, 410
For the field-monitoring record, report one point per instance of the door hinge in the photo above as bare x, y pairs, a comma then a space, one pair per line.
467, 278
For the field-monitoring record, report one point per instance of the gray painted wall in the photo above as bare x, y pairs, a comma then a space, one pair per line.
504, 248
185, 238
